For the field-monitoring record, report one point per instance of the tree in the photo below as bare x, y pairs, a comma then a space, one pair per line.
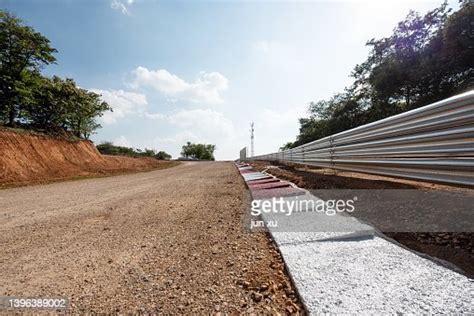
46, 108
198, 151
53, 105
286, 146
58, 105
22, 52
83, 109
426, 59
162, 155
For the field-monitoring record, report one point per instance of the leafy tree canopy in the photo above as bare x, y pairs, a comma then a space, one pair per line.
162, 155
27, 98
22, 51
426, 59
198, 151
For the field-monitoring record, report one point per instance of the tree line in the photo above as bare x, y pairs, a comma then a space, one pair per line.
107, 148
29, 99
426, 59
189, 151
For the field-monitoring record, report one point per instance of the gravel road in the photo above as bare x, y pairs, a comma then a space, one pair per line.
162, 241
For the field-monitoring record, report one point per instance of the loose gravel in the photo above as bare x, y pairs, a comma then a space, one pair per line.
162, 241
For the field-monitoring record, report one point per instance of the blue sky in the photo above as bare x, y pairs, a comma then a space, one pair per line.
177, 71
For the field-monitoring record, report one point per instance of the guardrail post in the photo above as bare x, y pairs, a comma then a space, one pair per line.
331, 154
304, 159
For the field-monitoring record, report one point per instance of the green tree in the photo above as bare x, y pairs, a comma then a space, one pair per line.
198, 151
58, 105
83, 109
286, 146
53, 105
426, 59
22, 51
162, 155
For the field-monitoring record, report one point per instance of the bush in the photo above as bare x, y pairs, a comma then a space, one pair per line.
108, 148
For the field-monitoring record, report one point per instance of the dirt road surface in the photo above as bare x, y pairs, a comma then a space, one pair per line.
162, 241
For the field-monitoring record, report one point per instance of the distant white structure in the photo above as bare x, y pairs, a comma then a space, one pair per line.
243, 153
252, 153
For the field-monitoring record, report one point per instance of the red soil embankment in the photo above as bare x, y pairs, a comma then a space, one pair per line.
32, 158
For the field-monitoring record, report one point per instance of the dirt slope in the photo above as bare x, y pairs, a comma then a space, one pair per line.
31, 158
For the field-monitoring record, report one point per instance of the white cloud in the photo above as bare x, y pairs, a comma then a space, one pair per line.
195, 125
273, 128
282, 119
262, 46
122, 6
199, 126
123, 103
206, 88
281, 56
154, 116
206, 122
121, 141
178, 139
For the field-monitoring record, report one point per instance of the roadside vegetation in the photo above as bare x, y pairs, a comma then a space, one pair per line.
107, 148
198, 151
31, 100
426, 59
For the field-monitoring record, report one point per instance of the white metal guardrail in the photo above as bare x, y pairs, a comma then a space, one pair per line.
434, 143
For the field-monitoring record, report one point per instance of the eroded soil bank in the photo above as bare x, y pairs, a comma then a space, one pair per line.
29, 158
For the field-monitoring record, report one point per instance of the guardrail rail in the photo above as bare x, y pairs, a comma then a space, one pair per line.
434, 143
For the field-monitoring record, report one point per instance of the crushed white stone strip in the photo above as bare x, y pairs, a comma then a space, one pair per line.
374, 276
340, 267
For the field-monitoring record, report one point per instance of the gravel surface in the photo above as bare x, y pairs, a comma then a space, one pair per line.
374, 277
455, 247
162, 241
359, 273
